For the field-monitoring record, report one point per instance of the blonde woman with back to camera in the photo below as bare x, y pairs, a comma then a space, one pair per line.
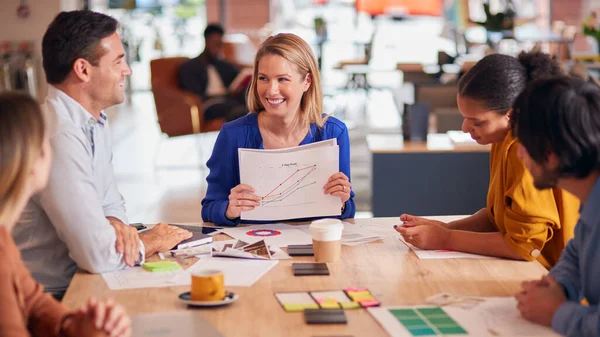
25, 157
286, 110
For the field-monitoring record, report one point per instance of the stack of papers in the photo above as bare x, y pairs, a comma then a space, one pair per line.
274, 235
240, 249
197, 251
354, 235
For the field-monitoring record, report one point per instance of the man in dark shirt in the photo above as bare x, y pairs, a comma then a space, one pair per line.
209, 76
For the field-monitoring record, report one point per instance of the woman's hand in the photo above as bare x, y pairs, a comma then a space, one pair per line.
108, 316
423, 233
413, 219
241, 198
338, 185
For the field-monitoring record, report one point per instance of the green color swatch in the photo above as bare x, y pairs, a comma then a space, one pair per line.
430, 321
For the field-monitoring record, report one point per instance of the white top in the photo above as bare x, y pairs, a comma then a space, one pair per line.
65, 225
215, 84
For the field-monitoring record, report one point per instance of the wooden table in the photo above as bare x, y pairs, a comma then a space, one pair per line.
392, 273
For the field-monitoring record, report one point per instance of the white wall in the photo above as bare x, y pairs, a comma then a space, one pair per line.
13, 28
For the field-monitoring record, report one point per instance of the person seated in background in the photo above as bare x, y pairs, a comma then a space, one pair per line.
79, 218
519, 221
557, 122
210, 77
25, 156
286, 105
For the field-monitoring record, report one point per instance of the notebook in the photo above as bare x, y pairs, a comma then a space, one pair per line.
172, 324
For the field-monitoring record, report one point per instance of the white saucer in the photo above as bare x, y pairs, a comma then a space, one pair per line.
186, 298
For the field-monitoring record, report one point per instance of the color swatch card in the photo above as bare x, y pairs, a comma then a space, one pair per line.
493, 316
330, 299
362, 296
293, 302
427, 321
334, 300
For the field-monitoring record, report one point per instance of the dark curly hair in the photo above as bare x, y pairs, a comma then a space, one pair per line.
562, 116
497, 79
71, 36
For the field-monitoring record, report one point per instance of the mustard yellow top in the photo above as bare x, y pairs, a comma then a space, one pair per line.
535, 224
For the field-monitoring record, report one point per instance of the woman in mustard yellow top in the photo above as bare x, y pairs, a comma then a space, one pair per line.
519, 221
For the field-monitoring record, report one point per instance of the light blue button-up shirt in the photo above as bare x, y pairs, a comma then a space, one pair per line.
578, 271
65, 225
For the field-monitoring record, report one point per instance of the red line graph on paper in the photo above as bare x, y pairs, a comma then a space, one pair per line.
293, 183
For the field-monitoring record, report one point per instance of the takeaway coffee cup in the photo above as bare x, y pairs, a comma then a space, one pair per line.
327, 239
208, 285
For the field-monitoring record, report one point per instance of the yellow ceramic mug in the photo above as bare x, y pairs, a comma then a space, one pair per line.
208, 285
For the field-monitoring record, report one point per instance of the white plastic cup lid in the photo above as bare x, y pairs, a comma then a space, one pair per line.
326, 230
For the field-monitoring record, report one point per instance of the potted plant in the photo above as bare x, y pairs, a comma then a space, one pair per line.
498, 25
321, 29
591, 28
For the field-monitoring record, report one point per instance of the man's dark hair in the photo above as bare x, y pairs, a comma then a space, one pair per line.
497, 79
213, 28
562, 116
74, 35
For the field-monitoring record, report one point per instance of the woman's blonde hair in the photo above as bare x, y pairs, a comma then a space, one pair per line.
22, 132
294, 49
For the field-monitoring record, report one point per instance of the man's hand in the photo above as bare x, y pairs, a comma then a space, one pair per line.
128, 241
162, 238
539, 300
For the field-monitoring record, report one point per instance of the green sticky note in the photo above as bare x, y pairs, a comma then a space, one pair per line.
160, 266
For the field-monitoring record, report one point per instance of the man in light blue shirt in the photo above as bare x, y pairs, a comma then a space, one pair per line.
79, 219
557, 122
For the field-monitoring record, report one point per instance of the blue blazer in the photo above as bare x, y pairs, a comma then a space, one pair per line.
224, 163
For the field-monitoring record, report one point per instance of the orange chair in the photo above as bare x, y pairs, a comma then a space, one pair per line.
179, 112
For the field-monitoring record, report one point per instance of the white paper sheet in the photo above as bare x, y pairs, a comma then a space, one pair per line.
138, 277
354, 235
275, 235
290, 181
443, 254
496, 316
238, 272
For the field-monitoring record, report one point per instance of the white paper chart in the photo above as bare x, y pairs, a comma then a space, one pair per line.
290, 181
